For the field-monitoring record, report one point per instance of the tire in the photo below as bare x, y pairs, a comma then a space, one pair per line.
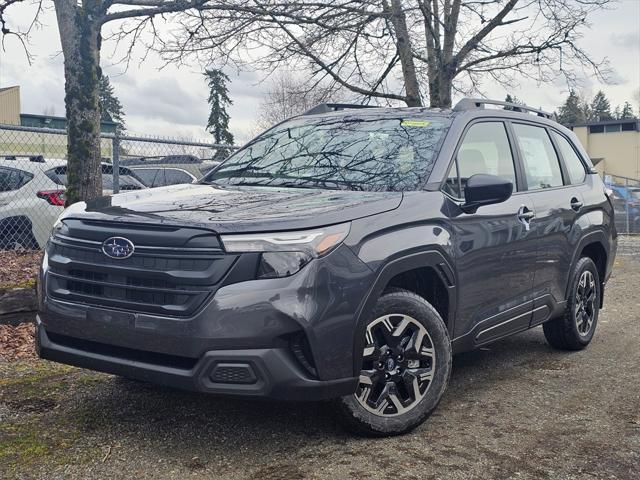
407, 346
16, 234
574, 330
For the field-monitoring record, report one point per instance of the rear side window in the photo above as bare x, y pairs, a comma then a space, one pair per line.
12, 179
485, 149
571, 159
541, 164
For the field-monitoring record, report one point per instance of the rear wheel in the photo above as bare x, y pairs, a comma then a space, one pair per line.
575, 329
406, 363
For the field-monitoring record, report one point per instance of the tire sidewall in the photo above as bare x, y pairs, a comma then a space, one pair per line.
406, 303
584, 264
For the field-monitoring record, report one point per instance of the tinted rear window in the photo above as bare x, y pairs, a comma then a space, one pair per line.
13, 179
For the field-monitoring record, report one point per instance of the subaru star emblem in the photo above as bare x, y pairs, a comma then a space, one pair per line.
117, 247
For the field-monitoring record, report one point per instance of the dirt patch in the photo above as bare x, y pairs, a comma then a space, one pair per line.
17, 342
19, 268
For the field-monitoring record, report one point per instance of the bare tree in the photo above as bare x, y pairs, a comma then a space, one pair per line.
80, 24
378, 49
392, 49
287, 95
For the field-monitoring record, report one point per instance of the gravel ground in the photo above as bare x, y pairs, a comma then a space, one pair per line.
515, 410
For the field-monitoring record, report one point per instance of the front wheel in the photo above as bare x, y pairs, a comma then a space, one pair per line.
406, 364
575, 329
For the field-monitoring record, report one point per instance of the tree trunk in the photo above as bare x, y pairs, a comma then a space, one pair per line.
79, 27
440, 87
411, 85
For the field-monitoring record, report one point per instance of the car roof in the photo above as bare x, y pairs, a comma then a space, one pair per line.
30, 163
380, 112
472, 107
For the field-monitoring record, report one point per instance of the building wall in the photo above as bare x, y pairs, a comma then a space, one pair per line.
10, 106
620, 151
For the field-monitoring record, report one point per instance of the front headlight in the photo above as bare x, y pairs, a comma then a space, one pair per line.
285, 253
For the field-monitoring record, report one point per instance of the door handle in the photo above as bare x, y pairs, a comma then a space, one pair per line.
525, 215
576, 204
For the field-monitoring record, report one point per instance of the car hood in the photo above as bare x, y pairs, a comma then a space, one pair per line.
236, 209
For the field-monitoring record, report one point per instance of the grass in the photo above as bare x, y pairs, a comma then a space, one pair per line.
30, 436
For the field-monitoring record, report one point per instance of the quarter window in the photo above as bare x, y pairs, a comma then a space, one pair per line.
541, 164
11, 179
174, 176
485, 149
571, 159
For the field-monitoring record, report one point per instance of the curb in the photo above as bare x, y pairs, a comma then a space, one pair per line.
17, 300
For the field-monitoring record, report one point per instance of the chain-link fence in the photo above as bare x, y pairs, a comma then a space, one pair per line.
626, 202
33, 177
33, 174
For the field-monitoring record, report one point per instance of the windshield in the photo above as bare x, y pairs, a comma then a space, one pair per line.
353, 153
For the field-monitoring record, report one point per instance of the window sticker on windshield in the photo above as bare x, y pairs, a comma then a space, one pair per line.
414, 123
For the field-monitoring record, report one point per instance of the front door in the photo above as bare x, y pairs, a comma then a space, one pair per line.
494, 247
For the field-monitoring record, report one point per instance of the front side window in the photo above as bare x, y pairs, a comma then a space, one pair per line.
485, 149
347, 153
541, 164
571, 159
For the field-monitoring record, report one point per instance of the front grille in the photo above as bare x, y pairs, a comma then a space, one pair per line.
169, 281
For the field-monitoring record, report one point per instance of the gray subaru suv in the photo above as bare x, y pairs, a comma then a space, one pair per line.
344, 254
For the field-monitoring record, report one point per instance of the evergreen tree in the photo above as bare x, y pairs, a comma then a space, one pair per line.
616, 113
600, 108
574, 111
110, 107
627, 111
218, 123
512, 99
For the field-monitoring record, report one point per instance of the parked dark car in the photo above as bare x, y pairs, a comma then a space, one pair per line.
344, 254
626, 203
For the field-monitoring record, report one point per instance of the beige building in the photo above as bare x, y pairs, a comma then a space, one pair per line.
613, 145
10, 105
33, 141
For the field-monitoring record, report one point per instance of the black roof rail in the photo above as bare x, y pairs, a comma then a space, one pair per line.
334, 107
475, 103
32, 158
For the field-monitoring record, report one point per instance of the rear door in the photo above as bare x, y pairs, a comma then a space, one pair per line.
556, 189
495, 250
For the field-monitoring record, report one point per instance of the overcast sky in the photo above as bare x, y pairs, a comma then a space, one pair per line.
172, 101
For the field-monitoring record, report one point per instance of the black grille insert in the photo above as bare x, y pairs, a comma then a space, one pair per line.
152, 358
153, 280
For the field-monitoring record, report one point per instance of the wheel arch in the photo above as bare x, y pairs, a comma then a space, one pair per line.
433, 276
594, 245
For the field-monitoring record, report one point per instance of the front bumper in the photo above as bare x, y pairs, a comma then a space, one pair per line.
267, 372
239, 343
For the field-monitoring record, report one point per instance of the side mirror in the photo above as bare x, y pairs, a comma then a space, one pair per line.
482, 189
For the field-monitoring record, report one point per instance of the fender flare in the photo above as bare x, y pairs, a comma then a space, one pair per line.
431, 258
597, 236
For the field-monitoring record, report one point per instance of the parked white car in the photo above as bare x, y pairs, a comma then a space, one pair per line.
32, 197
30, 201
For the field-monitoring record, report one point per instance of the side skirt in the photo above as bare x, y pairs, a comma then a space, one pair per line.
492, 329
